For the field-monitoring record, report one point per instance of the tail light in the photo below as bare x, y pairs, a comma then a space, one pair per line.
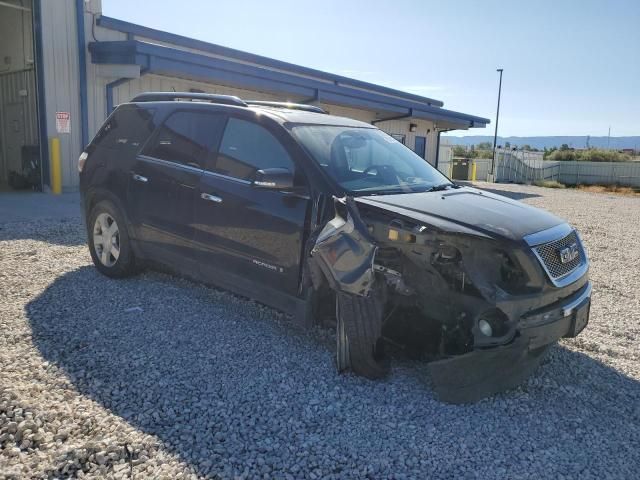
82, 160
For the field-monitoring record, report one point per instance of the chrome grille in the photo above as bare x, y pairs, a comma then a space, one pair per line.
549, 254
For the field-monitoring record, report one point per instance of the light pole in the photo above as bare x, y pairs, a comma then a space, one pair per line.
495, 135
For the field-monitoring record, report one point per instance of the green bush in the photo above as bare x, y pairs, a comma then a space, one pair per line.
591, 155
549, 184
461, 152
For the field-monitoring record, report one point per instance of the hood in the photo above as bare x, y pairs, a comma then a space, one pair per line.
469, 208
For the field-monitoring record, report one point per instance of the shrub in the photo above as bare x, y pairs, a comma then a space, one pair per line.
549, 184
591, 155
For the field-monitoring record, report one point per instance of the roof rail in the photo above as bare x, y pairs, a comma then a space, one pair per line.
292, 106
178, 96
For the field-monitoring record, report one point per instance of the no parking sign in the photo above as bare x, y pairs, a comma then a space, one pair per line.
63, 122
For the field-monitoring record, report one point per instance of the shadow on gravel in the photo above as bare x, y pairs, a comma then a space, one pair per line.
498, 191
223, 384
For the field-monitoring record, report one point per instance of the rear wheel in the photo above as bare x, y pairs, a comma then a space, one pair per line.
109, 242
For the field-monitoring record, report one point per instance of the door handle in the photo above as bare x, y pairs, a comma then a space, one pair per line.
140, 178
211, 198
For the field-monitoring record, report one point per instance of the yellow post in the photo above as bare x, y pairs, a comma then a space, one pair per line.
56, 166
473, 171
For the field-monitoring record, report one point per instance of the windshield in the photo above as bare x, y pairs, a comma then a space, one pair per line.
367, 161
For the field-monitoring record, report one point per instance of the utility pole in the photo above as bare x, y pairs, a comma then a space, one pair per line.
495, 135
609, 137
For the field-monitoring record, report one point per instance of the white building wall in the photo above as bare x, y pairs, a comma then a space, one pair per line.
96, 78
424, 129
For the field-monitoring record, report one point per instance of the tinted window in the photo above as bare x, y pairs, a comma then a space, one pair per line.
126, 130
247, 147
189, 138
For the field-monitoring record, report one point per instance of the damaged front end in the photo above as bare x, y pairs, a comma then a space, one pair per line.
480, 307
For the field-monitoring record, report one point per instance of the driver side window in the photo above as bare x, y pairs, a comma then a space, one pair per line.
247, 147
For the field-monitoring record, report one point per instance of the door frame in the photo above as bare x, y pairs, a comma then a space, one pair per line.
40, 93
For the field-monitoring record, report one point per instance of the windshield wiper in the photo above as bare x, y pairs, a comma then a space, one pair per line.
442, 186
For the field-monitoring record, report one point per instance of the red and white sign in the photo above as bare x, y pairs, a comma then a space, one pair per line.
63, 122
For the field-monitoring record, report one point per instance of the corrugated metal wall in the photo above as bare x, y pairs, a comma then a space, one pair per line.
96, 85
424, 129
10, 86
60, 62
511, 168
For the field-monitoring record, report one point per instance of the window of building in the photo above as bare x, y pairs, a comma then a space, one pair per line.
247, 147
188, 138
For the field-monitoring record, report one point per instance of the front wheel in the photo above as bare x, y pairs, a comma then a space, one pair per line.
109, 242
358, 333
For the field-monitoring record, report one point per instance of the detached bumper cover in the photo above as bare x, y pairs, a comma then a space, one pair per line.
481, 373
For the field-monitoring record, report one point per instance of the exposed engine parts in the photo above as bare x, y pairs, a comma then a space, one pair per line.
439, 294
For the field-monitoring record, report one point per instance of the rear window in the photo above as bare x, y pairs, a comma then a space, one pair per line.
188, 138
126, 130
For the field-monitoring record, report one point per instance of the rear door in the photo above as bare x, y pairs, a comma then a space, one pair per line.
250, 233
164, 180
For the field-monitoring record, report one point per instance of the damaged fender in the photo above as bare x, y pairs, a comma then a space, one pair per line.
344, 250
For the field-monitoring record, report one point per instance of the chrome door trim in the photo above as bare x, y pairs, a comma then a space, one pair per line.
167, 163
226, 177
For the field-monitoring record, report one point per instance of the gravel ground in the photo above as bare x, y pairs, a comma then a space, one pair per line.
156, 377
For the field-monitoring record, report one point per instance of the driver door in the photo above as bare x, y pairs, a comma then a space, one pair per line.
249, 233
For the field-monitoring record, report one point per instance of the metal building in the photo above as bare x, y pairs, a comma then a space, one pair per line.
64, 66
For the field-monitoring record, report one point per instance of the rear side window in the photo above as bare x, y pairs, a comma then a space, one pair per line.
247, 147
126, 130
187, 138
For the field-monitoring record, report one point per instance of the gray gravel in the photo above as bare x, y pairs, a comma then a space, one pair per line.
162, 378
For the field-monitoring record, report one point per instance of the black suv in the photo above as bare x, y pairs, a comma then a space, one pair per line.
332, 220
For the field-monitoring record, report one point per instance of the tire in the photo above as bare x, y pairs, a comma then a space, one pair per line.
109, 241
359, 328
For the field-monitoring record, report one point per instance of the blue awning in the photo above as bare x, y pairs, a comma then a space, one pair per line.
244, 70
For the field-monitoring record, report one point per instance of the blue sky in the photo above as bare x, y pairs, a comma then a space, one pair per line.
570, 67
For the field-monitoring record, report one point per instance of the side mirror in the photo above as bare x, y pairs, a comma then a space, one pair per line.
274, 179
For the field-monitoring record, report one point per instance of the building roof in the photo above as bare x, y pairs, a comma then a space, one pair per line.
209, 62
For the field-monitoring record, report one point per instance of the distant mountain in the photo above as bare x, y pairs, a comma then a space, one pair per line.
541, 142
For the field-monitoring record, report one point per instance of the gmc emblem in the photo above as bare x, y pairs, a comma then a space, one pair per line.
568, 253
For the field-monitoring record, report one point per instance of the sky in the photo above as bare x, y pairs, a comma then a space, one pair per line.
570, 67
